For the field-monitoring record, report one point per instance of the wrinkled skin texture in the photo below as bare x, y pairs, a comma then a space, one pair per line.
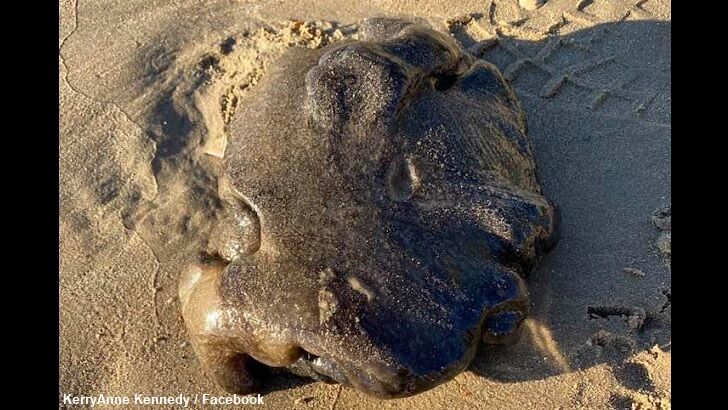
382, 205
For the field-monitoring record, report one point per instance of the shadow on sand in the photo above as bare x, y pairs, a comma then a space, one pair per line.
598, 109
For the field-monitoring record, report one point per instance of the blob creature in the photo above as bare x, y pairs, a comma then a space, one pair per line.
381, 206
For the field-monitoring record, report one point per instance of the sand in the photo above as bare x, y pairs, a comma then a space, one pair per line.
146, 89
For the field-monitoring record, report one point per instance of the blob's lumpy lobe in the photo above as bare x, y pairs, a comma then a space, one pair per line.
382, 206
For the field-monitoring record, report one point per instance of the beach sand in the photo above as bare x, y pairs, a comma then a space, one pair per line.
146, 91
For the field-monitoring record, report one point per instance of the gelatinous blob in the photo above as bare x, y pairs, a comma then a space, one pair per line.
381, 206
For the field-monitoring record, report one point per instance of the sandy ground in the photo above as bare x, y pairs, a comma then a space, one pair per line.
146, 89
